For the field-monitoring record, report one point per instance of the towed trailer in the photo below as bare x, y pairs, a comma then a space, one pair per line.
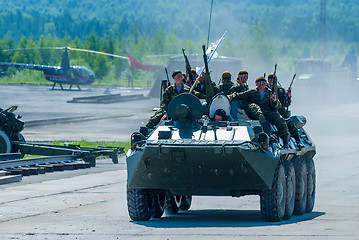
88, 154
12, 141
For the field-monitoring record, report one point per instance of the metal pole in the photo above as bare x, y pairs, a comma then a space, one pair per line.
209, 24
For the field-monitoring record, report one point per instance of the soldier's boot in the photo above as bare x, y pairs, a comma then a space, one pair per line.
265, 124
285, 140
144, 130
298, 141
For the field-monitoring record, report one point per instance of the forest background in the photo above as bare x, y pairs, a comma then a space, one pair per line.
259, 31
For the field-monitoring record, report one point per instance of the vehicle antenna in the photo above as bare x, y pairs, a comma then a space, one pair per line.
209, 24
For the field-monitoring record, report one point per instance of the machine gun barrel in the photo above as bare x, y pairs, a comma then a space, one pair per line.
208, 81
188, 66
275, 87
291, 83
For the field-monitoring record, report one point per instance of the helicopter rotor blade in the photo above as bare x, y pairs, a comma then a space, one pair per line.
35, 48
69, 48
92, 51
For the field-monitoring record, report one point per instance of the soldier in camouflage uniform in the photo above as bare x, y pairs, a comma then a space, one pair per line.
168, 95
285, 98
189, 82
226, 83
200, 88
269, 105
241, 86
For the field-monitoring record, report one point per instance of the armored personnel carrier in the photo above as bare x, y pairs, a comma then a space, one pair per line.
193, 155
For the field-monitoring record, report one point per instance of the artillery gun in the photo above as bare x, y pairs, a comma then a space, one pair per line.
10, 128
192, 155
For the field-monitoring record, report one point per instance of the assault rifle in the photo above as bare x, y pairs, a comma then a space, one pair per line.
289, 89
188, 67
275, 87
291, 83
165, 84
208, 83
168, 83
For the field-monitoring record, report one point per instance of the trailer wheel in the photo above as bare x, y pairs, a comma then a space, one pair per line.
5, 144
172, 204
310, 186
301, 186
138, 204
273, 201
158, 204
290, 184
186, 202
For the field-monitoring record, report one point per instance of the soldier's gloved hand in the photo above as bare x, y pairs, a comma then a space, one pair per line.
164, 117
262, 119
289, 92
273, 96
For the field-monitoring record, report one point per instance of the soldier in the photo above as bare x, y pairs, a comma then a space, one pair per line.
168, 95
189, 81
285, 97
184, 81
220, 115
269, 105
200, 88
241, 84
226, 83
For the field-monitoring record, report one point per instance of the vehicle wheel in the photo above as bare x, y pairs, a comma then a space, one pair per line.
158, 204
186, 202
172, 204
138, 204
273, 201
301, 186
290, 184
310, 186
5, 143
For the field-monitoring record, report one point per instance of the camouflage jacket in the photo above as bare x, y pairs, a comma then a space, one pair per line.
238, 88
253, 96
224, 87
201, 91
170, 93
285, 101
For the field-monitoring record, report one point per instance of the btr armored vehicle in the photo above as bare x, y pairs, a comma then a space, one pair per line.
193, 155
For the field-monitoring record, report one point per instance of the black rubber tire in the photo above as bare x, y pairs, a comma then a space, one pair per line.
5, 143
290, 185
311, 185
158, 204
301, 186
273, 201
138, 204
186, 202
172, 204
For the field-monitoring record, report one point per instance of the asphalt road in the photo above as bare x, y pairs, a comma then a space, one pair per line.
91, 204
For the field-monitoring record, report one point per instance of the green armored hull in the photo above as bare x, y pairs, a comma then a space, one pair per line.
228, 168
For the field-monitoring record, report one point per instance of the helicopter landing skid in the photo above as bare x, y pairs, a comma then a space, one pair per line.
69, 89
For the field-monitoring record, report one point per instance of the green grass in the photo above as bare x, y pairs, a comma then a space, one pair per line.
84, 143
